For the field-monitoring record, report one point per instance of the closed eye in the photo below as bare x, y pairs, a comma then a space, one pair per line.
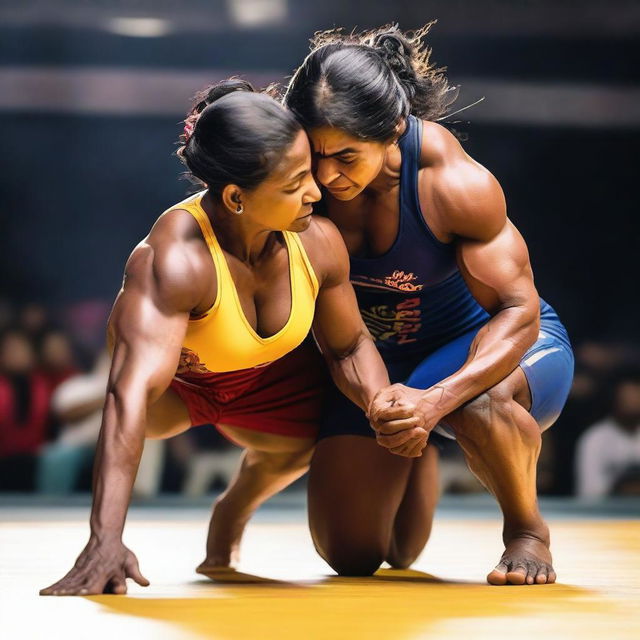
293, 189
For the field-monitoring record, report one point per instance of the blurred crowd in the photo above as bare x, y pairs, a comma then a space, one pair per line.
53, 375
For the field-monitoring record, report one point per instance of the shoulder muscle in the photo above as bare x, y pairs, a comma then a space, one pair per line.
167, 264
326, 250
467, 196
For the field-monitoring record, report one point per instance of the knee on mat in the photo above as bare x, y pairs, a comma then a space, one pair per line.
351, 562
402, 556
401, 560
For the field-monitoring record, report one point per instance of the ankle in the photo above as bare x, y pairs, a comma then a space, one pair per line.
536, 530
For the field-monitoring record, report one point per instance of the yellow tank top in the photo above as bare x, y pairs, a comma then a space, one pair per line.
222, 339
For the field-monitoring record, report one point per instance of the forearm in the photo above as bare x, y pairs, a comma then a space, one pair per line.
118, 455
360, 373
494, 354
80, 410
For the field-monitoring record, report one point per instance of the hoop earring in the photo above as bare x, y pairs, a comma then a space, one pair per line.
239, 210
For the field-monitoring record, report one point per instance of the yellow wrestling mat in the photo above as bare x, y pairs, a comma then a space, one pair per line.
287, 592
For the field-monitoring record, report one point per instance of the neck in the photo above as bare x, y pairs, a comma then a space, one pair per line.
236, 234
388, 177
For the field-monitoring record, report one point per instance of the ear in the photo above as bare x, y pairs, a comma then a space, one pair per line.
232, 197
399, 130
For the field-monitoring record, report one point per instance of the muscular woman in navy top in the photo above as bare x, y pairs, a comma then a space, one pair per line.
444, 284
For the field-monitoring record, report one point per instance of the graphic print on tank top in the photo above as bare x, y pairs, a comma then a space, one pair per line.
190, 363
413, 298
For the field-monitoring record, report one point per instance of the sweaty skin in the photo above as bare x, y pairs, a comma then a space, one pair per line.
169, 277
463, 204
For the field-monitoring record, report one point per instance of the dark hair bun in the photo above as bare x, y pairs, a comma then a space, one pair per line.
238, 140
217, 91
366, 83
391, 46
397, 52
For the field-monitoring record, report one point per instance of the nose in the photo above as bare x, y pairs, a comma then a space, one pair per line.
312, 194
327, 171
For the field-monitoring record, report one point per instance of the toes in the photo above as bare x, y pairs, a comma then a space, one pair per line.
518, 575
498, 576
541, 574
533, 570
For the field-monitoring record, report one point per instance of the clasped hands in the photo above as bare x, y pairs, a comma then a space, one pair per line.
402, 418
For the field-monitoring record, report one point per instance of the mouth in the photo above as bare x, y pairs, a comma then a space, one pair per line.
337, 189
306, 212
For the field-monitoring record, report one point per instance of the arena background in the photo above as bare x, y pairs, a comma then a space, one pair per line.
92, 94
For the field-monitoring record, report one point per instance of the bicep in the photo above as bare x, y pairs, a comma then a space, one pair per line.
491, 253
497, 270
337, 324
146, 334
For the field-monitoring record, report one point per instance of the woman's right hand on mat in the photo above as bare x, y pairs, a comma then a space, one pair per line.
102, 567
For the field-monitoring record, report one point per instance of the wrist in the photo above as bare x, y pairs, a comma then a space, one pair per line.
435, 403
101, 536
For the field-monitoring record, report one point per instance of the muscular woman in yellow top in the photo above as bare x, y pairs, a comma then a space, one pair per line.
224, 284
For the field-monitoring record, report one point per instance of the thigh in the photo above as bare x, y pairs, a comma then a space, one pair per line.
262, 441
540, 384
168, 416
548, 369
412, 526
355, 490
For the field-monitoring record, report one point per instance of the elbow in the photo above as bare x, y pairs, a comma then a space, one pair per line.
524, 325
533, 317
533, 326
529, 311
116, 395
123, 405
348, 351
123, 424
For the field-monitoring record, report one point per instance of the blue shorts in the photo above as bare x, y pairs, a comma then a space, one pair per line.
547, 365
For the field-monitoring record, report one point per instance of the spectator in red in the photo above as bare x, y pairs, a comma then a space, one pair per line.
57, 362
24, 411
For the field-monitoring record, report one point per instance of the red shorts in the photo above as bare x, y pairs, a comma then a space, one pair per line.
284, 397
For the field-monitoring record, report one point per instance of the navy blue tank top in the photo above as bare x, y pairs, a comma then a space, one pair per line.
413, 298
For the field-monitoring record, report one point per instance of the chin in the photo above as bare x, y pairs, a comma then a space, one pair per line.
301, 224
349, 194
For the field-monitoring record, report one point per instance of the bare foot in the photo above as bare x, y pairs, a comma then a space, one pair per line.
526, 560
223, 542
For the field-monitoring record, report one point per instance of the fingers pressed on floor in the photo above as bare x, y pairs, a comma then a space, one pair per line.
117, 586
